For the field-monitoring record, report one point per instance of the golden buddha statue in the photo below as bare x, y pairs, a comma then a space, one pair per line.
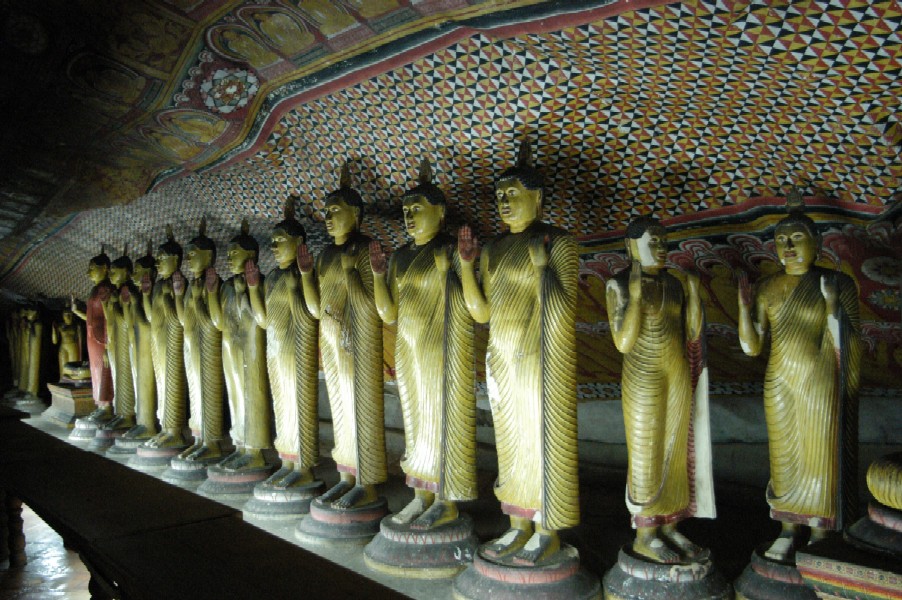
420, 290
243, 357
118, 346
339, 292
810, 386
141, 348
101, 375
654, 320
33, 332
528, 297
13, 336
291, 354
167, 341
203, 350
67, 335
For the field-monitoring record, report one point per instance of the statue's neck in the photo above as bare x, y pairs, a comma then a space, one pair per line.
521, 227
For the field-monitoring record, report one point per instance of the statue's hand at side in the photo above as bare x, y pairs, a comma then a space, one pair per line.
745, 290
211, 280
378, 260
692, 281
467, 244
828, 290
442, 260
305, 260
178, 283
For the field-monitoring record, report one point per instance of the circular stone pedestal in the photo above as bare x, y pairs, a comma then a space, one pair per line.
222, 482
188, 472
637, 578
766, 579
105, 438
880, 531
563, 578
327, 525
272, 502
153, 459
84, 431
422, 553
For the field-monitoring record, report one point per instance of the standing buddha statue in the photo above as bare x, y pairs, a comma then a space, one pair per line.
420, 289
202, 350
339, 292
118, 347
243, 357
810, 385
657, 324
528, 297
67, 335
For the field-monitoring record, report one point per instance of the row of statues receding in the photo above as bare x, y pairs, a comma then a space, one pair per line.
154, 335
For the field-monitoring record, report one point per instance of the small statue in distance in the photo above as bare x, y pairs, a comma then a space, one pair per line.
810, 386
68, 336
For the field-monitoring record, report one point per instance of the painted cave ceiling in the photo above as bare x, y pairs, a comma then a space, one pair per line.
123, 117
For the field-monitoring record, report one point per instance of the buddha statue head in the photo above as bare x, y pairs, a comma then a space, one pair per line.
67, 316
99, 267
200, 251
242, 248
121, 269
146, 265
796, 237
286, 236
518, 192
344, 209
424, 207
646, 242
169, 255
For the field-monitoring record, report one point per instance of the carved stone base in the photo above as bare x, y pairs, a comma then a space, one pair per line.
153, 460
105, 438
422, 554
222, 483
562, 578
69, 402
766, 579
187, 472
327, 525
30, 404
636, 578
880, 531
129, 442
271, 502
83, 432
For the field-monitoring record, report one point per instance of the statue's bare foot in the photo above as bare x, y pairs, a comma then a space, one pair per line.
690, 551
170, 440
224, 464
654, 548
294, 478
336, 491
512, 541
206, 452
273, 479
154, 442
138, 432
540, 546
783, 549
186, 453
248, 460
359, 495
438, 514
410, 512
114, 423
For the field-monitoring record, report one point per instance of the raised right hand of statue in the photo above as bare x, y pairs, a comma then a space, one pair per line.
211, 279
103, 292
305, 261
125, 296
467, 244
251, 273
745, 290
178, 283
145, 283
635, 285
378, 262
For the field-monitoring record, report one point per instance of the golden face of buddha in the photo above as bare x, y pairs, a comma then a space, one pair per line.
284, 247
650, 249
138, 274
341, 219
119, 275
198, 260
67, 317
167, 264
97, 273
237, 256
518, 207
422, 219
796, 248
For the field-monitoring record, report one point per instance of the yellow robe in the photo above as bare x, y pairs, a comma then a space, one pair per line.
118, 335
168, 357
531, 375
203, 364
434, 366
351, 347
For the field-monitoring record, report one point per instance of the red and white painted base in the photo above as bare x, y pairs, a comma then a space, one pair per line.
327, 525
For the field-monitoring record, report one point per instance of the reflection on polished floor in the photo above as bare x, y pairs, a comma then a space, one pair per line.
52, 570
